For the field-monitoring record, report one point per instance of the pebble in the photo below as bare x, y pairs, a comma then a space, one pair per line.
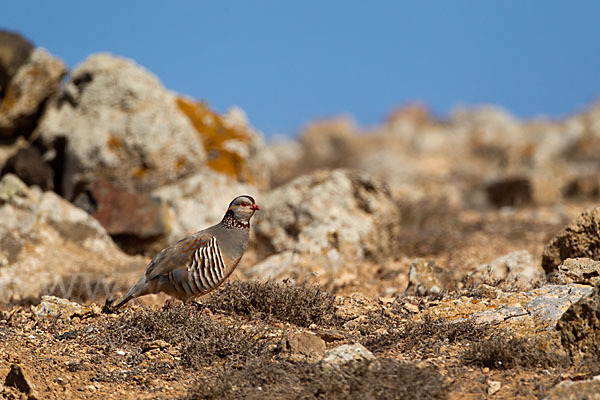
493, 387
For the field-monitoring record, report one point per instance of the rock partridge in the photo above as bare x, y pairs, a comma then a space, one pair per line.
201, 262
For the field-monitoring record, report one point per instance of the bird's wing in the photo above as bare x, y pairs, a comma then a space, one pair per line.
179, 255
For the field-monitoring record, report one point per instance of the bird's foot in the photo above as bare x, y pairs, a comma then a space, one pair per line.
170, 303
200, 308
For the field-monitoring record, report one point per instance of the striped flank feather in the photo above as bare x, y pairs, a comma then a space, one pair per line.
205, 271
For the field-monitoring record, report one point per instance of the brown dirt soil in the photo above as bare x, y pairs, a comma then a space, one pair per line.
152, 351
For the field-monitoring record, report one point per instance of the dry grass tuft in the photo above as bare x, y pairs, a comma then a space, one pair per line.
301, 305
384, 379
427, 335
200, 340
505, 353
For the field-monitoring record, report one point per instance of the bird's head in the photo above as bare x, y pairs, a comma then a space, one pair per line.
243, 208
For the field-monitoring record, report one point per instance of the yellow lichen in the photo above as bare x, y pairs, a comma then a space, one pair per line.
138, 172
214, 133
10, 99
114, 143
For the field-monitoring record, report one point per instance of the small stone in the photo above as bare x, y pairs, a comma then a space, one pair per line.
120, 352
411, 308
425, 278
18, 378
156, 344
347, 354
493, 387
55, 307
305, 344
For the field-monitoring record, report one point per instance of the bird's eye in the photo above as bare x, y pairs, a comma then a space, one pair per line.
244, 204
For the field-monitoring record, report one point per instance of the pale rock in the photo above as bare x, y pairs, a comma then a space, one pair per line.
32, 85
578, 239
52, 307
538, 309
425, 278
588, 389
118, 122
347, 355
252, 150
336, 218
515, 271
493, 387
43, 238
584, 271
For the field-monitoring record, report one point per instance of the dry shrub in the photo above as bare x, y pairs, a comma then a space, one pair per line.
260, 379
429, 227
427, 335
201, 340
507, 353
301, 305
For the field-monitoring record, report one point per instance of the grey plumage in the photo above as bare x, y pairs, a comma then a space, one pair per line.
201, 262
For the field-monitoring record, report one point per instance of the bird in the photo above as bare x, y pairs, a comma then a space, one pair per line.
200, 262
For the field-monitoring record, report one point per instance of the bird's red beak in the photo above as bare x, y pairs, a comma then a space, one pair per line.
255, 207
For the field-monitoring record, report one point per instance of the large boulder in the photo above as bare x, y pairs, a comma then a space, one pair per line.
334, 218
27, 91
113, 119
233, 148
44, 239
122, 212
579, 239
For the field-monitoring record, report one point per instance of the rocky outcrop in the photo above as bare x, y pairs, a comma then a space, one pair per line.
123, 212
535, 310
44, 238
579, 239
33, 83
588, 389
511, 272
578, 270
335, 218
114, 120
232, 146
579, 327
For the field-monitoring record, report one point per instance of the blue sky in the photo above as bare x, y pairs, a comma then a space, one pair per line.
287, 62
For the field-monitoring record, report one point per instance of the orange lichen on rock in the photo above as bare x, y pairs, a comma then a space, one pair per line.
215, 134
114, 143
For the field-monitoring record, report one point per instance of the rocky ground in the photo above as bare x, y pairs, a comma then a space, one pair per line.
421, 258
